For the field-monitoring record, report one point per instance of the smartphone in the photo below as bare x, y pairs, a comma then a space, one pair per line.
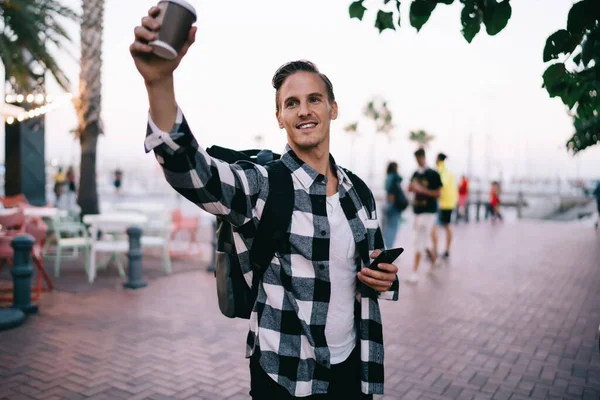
386, 257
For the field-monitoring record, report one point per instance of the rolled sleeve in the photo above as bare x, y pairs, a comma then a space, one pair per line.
231, 191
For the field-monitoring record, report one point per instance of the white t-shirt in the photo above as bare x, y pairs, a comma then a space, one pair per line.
339, 327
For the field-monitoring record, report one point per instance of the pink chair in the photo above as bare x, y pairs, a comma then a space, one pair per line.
14, 201
13, 225
181, 223
13, 222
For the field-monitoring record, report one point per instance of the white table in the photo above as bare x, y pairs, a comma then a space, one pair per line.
146, 208
43, 212
119, 221
111, 222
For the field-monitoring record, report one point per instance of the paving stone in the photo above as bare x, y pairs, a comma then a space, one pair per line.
508, 318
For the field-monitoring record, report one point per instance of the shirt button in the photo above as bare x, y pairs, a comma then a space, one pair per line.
323, 233
321, 267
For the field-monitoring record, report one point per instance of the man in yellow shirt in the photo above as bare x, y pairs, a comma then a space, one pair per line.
447, 203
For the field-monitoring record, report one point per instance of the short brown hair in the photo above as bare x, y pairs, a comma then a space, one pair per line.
290, 68
420, 153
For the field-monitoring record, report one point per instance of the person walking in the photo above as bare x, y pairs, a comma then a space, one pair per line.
463, 197
426, 184
396, 203
597, 195
495, 202
447, 203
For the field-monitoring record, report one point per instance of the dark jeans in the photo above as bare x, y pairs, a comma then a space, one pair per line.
344, 384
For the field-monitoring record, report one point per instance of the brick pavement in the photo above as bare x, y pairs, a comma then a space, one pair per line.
515, 315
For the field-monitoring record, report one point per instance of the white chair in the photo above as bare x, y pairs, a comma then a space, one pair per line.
110, 240
67, 235
156, 231
156, 234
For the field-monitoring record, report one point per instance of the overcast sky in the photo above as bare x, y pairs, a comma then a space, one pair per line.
433, 80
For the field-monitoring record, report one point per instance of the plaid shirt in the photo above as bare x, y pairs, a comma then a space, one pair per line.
288, 319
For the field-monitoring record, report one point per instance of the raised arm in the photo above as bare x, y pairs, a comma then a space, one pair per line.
229, 190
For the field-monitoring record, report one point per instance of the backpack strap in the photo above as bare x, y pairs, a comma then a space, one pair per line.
368, 201
363, 191
275, 220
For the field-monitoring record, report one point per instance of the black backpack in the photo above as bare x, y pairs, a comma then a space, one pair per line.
236, 299
400, 200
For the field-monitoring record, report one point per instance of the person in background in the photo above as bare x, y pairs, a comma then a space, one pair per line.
59, 182
597, 195
463, 196
447, 203
426, 184
395, 205
495, 202
71, 179
118, 180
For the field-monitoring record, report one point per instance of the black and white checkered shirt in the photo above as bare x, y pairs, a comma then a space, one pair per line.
288, 319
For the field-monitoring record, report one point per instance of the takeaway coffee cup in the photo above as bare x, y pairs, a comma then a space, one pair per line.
176, 18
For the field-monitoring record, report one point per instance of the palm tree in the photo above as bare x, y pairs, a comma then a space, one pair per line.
27, 27
421, 137
377, 110
352, 130
88, 104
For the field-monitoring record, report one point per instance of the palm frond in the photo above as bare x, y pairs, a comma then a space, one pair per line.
26, 27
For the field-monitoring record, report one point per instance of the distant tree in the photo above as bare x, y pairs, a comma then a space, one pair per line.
352, 130
574, 77
421, 138
27, 27
378, 111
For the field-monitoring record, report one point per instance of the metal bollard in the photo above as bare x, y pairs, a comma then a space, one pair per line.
134, 269
21, 273
213, 263
520, 201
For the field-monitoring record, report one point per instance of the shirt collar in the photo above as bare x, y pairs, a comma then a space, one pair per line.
305, 173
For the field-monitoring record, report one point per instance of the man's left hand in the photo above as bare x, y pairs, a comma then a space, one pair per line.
381, 280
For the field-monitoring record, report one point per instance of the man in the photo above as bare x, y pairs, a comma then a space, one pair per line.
395, 205
597, 195
314, 329
447, 203
426, 184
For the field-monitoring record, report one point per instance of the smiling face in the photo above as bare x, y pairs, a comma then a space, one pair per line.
305, 111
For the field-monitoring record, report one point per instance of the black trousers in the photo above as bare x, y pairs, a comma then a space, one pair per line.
344, 384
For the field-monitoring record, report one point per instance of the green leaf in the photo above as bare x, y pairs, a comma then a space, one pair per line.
496, 16
420, 11
384, 20
587, 133
471, 18
582, 16
590, 48
357, 10
445, 1
560, 42
556, 79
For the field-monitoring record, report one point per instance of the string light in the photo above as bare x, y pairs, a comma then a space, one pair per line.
36, 112
37, 98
